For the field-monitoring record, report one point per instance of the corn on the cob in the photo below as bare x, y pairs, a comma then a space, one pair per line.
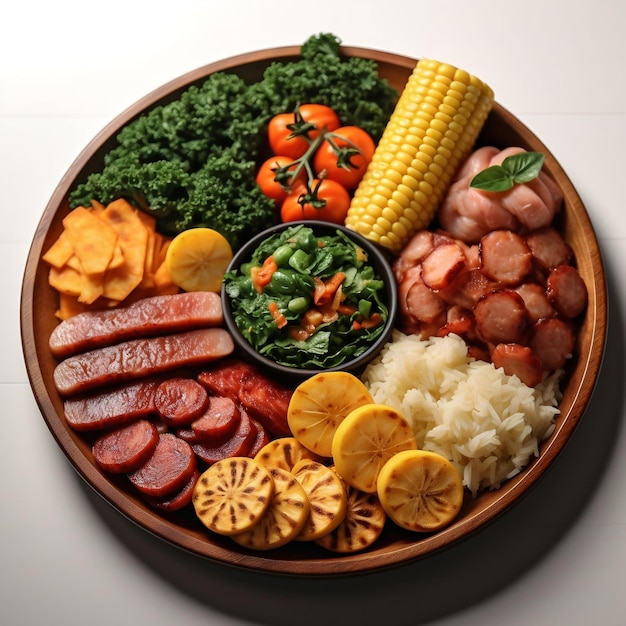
433, 128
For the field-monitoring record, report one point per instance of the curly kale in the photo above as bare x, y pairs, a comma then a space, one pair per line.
191, 162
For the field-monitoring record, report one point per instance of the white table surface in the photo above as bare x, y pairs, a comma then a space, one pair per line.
68, 68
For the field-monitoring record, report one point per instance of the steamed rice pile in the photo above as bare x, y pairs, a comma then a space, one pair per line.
487, 423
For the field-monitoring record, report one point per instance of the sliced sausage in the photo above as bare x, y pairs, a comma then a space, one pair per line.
567, 291
549, 248
442, 265
113, 407
178, 500
413, 253
138, 358
468, 288
536, 301
263, 396
505, 257
553, 341
170, 467
501, 317
239, 444
157, 315
219, 421
459, 321
518, 360
417, 300
263, 437
180, 401
126, 448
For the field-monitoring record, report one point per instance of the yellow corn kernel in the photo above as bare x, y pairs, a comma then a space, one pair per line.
433, 128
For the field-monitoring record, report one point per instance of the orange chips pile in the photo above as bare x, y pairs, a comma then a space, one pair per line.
106, 255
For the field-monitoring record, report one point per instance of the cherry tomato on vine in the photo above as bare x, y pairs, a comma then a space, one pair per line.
326, 200
268, 172
307, 121
347, 164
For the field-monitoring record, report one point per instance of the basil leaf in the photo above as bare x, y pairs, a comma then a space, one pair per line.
494, 178
517, 168
524, 167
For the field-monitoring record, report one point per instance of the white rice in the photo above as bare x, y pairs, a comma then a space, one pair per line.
487, 423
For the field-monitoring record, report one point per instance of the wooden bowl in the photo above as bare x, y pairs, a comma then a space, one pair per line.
39, 302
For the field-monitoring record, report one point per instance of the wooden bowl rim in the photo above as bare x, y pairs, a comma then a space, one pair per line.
402, 550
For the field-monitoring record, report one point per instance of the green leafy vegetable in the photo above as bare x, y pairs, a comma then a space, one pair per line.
192, 162
517, 168
292, 289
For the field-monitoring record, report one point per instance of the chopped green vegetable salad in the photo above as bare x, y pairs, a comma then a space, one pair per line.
192, 162
308, 301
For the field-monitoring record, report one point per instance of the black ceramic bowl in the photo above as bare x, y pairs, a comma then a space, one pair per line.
382, 267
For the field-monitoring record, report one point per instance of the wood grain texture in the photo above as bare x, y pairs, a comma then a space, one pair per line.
38, 303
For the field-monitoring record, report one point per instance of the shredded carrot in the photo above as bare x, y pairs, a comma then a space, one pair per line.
371, 322
278, 317
261, 276
325, 291
346, 309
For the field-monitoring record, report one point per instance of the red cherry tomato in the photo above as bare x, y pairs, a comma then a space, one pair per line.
327, 201
278, 190
348, 164
307, 121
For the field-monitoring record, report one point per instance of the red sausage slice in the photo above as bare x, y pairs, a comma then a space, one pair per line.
501, 317
442, 265
244, 383
262, 439
169, 468
548, 247
567, 291
139, 358
218, 422
553, 341
238, 445
505, 257
518, 360
536, 301
127, 448
177, 501
111, 408
160, 315
179, 401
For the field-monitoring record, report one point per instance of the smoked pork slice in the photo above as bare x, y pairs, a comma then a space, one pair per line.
178, 500
179, 401
111, 408
156, 315
168, 470
126, 448
139, 358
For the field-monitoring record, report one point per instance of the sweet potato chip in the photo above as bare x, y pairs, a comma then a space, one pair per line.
66, 280
59, 252
124, 219
117, 237
92, 240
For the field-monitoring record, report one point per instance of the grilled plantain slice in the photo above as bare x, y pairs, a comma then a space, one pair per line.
362, 525
327, 496
366, 439
420, 490
320, 403
284, 452
232, 495
284, 518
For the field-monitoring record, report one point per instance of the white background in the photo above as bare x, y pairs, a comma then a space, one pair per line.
68, 68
